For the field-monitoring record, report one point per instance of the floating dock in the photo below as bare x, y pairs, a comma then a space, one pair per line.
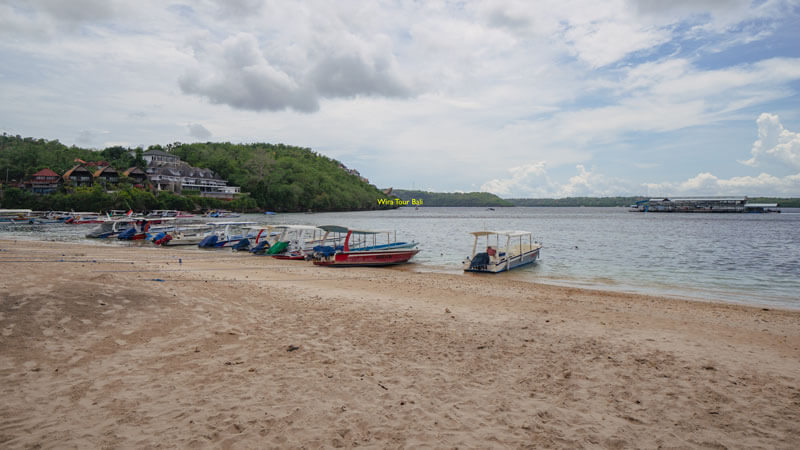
703, 205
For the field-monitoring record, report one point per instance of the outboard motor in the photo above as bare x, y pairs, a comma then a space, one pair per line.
127, 235
260, 248
480, 261
209, 241
242, 246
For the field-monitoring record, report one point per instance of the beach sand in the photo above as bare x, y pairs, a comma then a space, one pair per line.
231, 350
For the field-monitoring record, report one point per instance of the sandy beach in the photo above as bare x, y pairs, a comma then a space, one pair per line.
111, 346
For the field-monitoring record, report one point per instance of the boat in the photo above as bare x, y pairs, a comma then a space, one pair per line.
221, 214
16, 216
362, 248
80, 218
111, 228
142, 229
168, 213
226, 234
505, 250
295, 242
182, 235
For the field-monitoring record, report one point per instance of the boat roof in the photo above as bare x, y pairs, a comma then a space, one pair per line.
297, 227
510, 233
222, 224
15, 211
340, 229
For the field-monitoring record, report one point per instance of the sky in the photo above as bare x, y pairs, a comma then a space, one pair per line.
518, 98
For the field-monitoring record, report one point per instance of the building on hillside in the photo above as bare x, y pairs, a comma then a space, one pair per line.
168, 173
137, 176
79, 176
159, 157
44, 181
107, 175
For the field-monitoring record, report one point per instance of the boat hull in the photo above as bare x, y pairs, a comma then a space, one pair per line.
504, 265
367, 258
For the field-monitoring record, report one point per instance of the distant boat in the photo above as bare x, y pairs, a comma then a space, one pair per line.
490, 209
511, 249
226, 234
270, 213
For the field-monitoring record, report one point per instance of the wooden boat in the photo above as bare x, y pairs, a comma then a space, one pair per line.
504, 250
362, 248
143, 229
182, 235
226, 234
16, 216
295, 242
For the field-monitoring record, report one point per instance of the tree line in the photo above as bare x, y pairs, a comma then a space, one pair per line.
276, 177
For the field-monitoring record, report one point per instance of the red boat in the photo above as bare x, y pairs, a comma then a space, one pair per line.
362, 248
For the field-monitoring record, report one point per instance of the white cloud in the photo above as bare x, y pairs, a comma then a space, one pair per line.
708, 184
521, 178
775, 143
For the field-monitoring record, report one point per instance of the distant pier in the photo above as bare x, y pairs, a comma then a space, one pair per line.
703, 205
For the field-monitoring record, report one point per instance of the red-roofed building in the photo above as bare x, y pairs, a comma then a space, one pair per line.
44, 181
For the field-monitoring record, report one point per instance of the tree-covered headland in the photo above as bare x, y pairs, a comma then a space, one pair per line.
274, 177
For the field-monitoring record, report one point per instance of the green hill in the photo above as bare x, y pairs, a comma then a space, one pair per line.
277, 177
451, 198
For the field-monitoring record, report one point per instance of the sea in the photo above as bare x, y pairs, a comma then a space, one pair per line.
749, 259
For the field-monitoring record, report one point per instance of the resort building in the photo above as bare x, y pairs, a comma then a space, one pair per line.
168, 173
44, 181
107, 175
79, 176
137, 176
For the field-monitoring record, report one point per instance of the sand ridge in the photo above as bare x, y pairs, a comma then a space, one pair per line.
126, 347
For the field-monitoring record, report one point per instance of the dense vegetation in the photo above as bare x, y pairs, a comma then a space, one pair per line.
576, 201
452, 198
277, 177
95, 198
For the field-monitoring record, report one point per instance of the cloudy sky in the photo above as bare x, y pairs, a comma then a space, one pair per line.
520, 98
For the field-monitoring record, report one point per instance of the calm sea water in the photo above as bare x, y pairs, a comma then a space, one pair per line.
745, 258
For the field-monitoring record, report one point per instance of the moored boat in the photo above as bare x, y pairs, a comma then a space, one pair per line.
505, 250
362, 248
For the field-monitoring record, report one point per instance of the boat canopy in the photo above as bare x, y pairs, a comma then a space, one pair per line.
222, 224
340, 229
509, 233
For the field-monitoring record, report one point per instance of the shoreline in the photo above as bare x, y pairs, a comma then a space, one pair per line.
132, 347
684, 293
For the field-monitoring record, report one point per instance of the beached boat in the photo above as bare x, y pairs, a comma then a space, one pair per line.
227, 234
142, 229
182, 235
362, 248
16, 216
80, 218
111, 228
295, 242
505, 250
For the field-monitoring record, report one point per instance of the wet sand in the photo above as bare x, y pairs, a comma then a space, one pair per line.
109, 346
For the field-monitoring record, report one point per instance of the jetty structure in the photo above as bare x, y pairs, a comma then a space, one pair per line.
703, 205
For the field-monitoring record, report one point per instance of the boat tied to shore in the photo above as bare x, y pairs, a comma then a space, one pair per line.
362, 248
505, 250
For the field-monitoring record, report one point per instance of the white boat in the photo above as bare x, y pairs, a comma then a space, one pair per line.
287, 241
15, 215
227, 234
503, 250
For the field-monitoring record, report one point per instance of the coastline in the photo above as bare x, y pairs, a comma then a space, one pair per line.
97, 352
